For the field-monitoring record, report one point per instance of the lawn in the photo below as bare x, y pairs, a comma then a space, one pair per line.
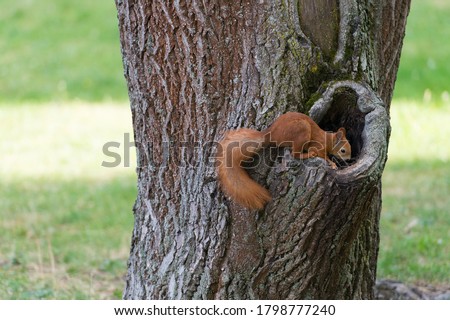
66, 220
60, 50
415, 242
424, 73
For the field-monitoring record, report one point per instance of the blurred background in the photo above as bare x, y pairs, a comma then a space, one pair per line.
66, 220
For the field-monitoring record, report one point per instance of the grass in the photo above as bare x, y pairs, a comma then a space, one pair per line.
66, 220
415, 242
424, 69
415, 223
416, 182
65, 239
60, 50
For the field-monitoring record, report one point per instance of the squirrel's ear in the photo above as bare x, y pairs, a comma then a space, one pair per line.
340, 134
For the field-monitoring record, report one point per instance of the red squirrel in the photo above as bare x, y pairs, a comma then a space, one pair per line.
292, 129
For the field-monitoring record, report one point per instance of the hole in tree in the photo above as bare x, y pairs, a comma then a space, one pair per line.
344, 112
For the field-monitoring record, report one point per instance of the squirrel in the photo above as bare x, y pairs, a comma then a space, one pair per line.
292, 129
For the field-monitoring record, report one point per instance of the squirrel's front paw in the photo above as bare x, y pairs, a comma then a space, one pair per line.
333, 165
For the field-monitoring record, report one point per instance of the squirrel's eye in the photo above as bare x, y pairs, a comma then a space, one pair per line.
343, 150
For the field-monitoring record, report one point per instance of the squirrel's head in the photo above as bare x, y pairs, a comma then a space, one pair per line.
342, 148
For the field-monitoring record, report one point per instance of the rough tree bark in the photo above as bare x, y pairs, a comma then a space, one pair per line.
198, 68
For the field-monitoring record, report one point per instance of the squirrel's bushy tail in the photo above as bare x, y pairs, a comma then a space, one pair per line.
237, 146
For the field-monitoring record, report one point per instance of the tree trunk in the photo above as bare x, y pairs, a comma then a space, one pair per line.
198, 68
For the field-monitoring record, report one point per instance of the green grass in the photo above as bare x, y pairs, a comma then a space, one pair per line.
415, 242
415, 223
66, 220
424, 73
65, 239
60, 50
416, 182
